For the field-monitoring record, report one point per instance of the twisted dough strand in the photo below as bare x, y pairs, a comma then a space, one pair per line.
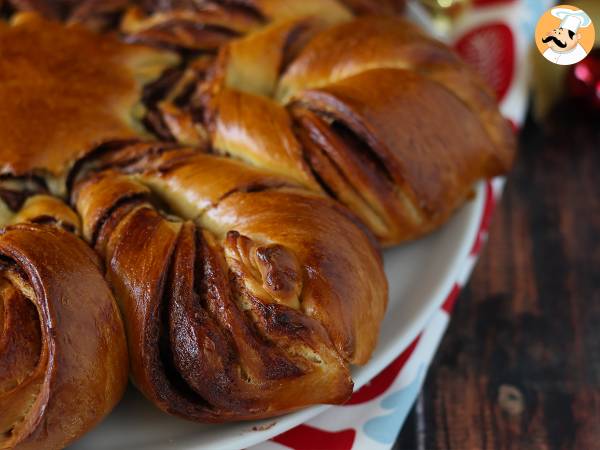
233, 311
239, 245
61, 339
371, 111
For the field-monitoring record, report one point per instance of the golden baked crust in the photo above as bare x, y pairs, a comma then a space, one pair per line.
63, 357
385, 119
66, 90
261, 306
236, 187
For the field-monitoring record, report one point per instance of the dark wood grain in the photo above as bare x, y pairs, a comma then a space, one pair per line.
519, 367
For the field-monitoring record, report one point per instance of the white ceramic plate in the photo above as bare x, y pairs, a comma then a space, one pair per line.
421, 275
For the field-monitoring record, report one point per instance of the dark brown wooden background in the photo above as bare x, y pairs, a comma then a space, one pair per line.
519, 367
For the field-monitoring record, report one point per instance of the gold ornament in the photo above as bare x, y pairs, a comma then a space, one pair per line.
445, 12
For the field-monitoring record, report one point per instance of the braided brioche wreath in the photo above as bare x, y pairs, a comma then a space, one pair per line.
225, 172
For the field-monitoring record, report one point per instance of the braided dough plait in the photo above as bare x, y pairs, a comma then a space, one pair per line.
236, 165
383, 118
254, 304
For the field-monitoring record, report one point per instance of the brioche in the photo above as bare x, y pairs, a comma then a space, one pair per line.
63, 356
232, 168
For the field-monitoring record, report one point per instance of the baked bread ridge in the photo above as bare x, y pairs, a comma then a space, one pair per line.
388, 121
282, 288
333, 101
258, 294
253, 259
63, 356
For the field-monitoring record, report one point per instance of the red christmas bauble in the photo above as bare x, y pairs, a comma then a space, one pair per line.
583, 80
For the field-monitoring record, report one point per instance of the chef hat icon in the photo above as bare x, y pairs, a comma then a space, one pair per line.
570, 19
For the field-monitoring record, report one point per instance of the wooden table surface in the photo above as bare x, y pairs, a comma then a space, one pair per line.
519, 367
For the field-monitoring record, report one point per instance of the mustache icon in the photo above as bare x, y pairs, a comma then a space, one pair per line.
555, 40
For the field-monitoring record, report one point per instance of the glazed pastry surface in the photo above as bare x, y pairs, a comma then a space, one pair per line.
63, 355
228, 171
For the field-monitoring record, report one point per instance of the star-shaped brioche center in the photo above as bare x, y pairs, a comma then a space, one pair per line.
64, 90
